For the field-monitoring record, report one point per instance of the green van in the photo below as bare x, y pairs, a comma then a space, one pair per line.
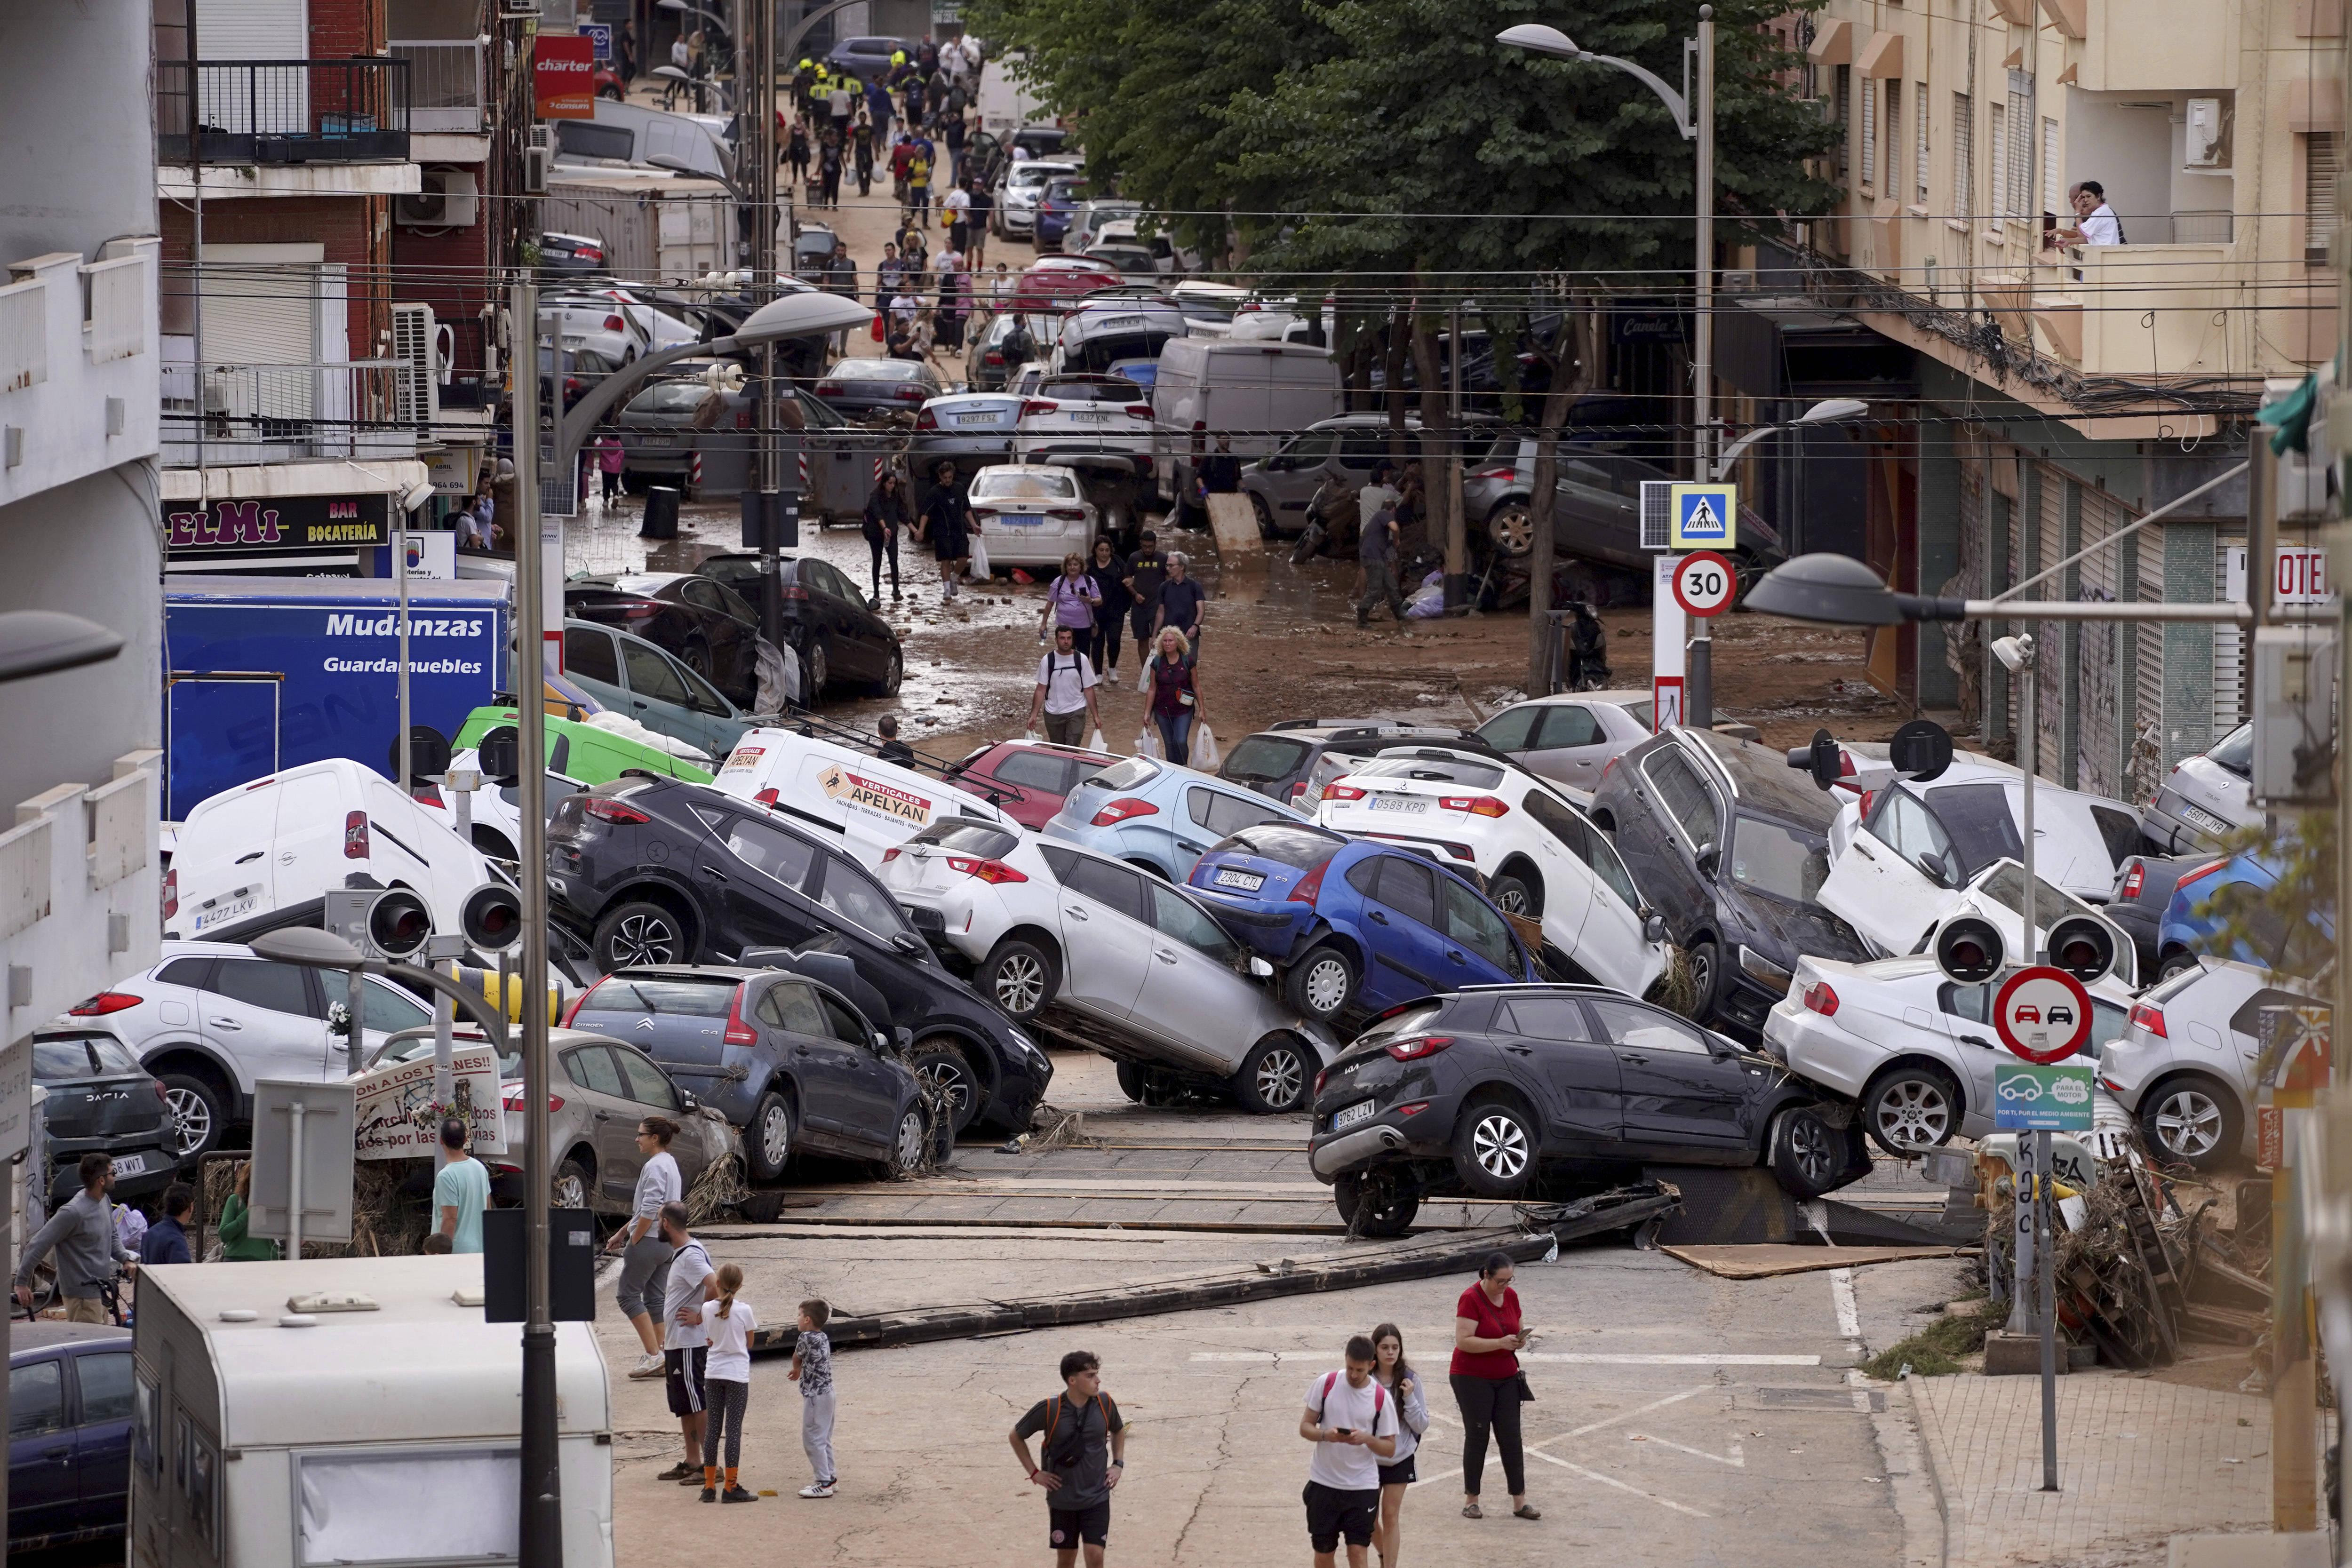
582, 751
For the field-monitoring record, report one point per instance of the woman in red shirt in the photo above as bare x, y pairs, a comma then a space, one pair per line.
1487, 1336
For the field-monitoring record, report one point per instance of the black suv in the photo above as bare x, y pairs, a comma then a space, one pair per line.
102, 1102
1490, 1089
662, 871
1731, 844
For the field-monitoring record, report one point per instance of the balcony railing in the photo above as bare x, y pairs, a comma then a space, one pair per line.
281, 111
280, 413
444, 82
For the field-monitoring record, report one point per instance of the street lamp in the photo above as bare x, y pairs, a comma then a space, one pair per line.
1830, 411
43, 642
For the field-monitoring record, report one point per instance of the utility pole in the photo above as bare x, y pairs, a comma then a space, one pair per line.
1457, 530
1698, 698
763, 509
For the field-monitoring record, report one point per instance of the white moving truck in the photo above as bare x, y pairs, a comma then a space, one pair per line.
1256, 393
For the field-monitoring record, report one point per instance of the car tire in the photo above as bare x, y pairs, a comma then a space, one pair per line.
697, 655
573, 1187
1130, 1080
1266, 528
1511, 528
1513, 892
1322, 984
1913, 1107
1276, 1078
2179, 961
1390, 1213
1020, 978
493, 843
816, 672
1495, 1144
768, 1141
940, 1062
1807, 1152
203, 1112
1706, 978
892, 674
2187, 1121
906, 1145
641, 933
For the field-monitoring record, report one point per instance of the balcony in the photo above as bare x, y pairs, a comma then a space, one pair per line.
281, 111
77, 366
79, 889
445, 81
281, 413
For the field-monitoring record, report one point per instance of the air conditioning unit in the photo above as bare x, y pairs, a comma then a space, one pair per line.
2205, 139
535, 161
418, 400
450, 198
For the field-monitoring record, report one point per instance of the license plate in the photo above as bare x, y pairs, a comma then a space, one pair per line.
1089, 418
1410, 804
131, 1165
1247, 881
2203, 818
1020, 519
226, 912
1361, 1111
974, 418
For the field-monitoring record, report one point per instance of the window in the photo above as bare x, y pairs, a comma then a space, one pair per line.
1309, 450
1261, 758
648, 1086
1904, 824
1513, 729
1637, 1028
1919, 141
1841, 113
37, 1398
1472, 921
274, 988
775, 853
590, 1067
1126, 774
650, 674
1869, 172
1546, 1017
2318, 194
1774, 858
1114, 887
199, 1475
1892, 184
2121, 830
792, 1007
848, 895
1585, 843
184, 972
1180, 919
963, 837
1976, 819
362, 1507
108, 1392
1291, 844
1034, 771
388, 1009
2018, 196
1570, 724
1685, 796
147, 1430
1964, 155
709, 999
2050, 166
1999, 130
1405, 886
1365, 447
1425, 770
701, 696
62, 1060
1225, 815
701, 593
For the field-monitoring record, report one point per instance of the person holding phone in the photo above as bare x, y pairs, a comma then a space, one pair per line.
1351, 1419
1489, 1387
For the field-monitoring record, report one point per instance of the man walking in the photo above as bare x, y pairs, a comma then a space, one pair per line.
686, 1347
1065, 691
167, 1241
1376, 552
1181, 599
1146, 570
82, 1234
1352, 1423
461, 1189
1081, 1461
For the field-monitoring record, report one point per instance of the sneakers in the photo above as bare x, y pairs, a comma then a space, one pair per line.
817, 1488
711, 1494
735, 1494
648, 1366
683, 1472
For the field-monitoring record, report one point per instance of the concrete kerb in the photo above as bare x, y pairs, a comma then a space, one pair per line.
1923, 1423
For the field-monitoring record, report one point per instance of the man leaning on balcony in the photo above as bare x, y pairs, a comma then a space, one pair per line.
2100, 226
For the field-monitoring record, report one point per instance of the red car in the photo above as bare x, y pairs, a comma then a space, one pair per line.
1057, 281
1028, 778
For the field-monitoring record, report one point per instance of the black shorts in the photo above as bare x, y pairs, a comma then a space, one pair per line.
1068, 1527
682, 1375
1399, 1474
1332, 1513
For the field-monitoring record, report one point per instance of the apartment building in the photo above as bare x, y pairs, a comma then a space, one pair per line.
2032, 398
79, 363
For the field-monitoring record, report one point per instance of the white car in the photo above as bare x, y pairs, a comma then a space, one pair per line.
1570, 740
2186, 1066
210, 1018
286, 839
1084, 416
496, 810
1539, 856
866, 805
1120, 959
2206, 797
1032, 515
1025, 186
1912, 1048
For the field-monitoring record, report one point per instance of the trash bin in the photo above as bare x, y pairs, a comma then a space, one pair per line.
661, 513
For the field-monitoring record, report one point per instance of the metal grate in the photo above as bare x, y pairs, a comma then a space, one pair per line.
1657, 513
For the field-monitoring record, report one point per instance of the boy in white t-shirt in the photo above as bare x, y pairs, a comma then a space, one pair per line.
1352, 1423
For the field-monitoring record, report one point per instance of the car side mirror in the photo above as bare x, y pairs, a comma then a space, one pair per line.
685, 1098
1654, 928
907, 943
905, 1037
1261, 969
1710, 859
881, 1041
1933, 865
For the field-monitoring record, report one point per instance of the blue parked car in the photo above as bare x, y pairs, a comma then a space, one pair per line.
71, 1400
1354, 925
2207, 897
1159, 816
630, 675
1063, 198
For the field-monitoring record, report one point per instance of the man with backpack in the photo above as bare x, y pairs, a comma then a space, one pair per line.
1065, 691
1081, 1461
1352, 1423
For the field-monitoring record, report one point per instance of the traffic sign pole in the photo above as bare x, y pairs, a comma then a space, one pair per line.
2045, 1299
1703, 517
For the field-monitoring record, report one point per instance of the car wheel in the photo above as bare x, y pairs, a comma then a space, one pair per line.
571, 1187
493, 843
1911, 1109
2179, 961
893, 672
816, 672
2190, 1123
1274, 1078
1511, 528
1494, 1148
698, 657
1707, 979
768, 1137
1374, 1205
1020, 978
200, 1112
1321, 984
1266, 528
641, 933
1515, 893
907, 1147
1131, 1081
1806, 1152
941, 1066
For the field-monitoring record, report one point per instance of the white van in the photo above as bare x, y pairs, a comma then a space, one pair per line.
633, 133
872, 806
290, 837
1005, 102
1253, 390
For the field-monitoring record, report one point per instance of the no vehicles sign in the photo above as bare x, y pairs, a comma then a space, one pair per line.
1703, 517
2043, 1014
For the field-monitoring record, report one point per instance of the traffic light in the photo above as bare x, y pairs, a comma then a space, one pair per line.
2082, 946
389, 923
491, 917
1968, 950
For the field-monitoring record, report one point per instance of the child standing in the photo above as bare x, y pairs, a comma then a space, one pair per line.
813, 1370
726, 1384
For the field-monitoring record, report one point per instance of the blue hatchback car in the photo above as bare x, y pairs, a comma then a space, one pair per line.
1356, 925
1159, 816
2208, 898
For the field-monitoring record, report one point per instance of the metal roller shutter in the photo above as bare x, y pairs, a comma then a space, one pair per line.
260, 317
2229, 662
242, 102
2098, 684
2050, 637
2148, 763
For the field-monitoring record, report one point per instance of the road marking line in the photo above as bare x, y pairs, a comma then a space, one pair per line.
1849, 1315
1621, 1486
1589, 1426
1738, 1459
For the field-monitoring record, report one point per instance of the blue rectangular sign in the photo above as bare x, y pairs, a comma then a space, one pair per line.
601, 32
2028, 1098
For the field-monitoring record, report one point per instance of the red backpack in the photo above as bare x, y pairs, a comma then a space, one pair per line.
1379, 1395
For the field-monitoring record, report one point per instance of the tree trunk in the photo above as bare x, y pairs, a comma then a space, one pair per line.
1393, 368
1571, 377
1436, 437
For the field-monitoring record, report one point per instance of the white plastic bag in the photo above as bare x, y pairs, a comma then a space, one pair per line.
1095, 742
1427, 603
1204, 747
978, 570
1143, 675
1147, 744
1029, 737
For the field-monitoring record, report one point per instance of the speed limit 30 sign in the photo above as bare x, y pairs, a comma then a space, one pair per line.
2043, 1014
1704, 583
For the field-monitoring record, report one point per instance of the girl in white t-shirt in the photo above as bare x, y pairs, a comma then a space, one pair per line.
726, 1384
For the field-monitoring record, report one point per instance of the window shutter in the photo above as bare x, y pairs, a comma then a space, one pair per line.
1964, 155
419, 386
1869, 131
2000, 191
2050, 167
2319, 193
1920, 135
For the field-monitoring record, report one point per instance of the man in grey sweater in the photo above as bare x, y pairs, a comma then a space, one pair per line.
82, 1233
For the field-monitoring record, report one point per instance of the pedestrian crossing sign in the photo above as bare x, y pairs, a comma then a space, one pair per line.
1705, 516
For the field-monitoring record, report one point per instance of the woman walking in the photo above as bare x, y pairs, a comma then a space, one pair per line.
885, 518
1112, 603
645, 1256
1175, 699
797, 152
1488, 1335
1070, 600
1403, 1384
862, 145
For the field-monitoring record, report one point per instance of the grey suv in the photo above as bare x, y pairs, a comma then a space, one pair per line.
1350, 448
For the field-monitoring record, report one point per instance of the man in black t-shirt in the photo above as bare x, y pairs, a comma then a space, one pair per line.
1081, 1461
1147, 568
